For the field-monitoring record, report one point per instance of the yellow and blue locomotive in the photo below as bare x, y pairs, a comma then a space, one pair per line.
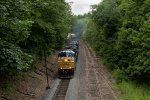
66, 64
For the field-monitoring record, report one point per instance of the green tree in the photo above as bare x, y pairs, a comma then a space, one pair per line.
15, 25
106, 17
133, 39
122, 37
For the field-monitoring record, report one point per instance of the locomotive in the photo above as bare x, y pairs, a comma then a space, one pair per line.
66, 63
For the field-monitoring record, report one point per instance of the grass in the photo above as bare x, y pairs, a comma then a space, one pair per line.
132, 91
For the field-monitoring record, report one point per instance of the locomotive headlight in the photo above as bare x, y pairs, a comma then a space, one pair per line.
66, 60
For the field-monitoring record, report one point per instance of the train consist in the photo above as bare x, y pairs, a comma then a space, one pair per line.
67, 59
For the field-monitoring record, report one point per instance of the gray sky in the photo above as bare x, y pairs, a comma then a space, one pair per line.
82, 6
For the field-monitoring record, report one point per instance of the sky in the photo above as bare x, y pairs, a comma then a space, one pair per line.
81, 6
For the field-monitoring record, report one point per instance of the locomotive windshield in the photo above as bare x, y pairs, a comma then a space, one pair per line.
62, 54
66, 54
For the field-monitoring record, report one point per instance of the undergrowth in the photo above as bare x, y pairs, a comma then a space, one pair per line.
133, 91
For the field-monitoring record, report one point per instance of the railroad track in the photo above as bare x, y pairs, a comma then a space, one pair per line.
100, 71
61, 90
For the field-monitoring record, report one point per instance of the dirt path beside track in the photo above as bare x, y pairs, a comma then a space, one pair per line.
32, 86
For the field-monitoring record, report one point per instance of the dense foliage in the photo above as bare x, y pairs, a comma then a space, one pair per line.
120, 31
29, 30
